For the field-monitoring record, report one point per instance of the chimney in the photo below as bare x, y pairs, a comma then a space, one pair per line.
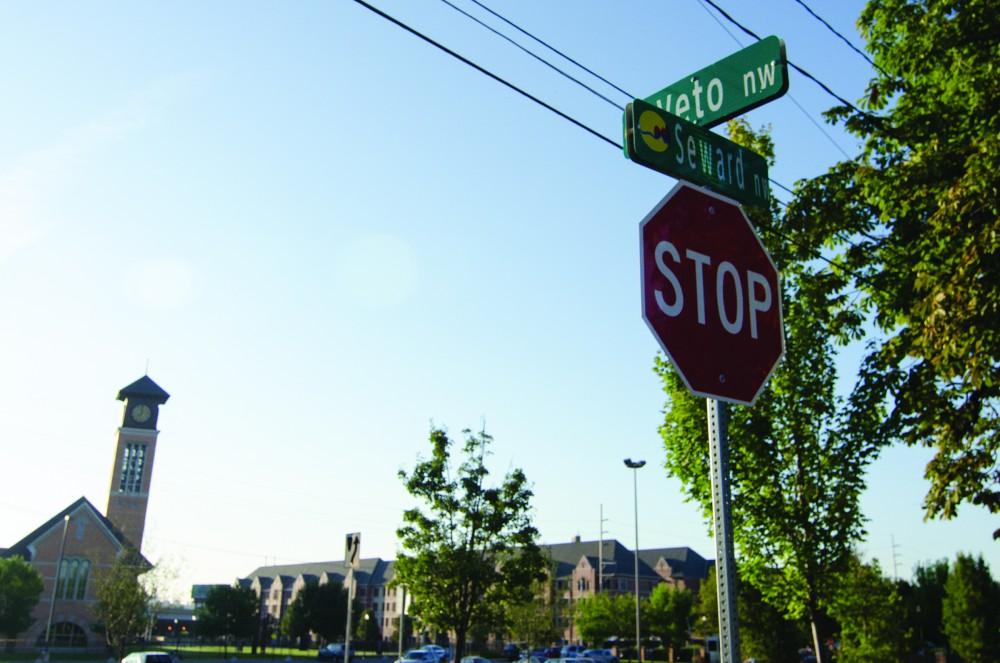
576, 539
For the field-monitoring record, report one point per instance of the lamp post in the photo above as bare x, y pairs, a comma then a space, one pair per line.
55, 586
634, 465
177, 636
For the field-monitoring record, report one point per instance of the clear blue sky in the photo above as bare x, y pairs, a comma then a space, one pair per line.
323, 235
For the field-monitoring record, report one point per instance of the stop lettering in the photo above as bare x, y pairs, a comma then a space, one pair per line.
711, 294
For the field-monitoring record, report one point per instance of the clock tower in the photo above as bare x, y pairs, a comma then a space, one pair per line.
133, 469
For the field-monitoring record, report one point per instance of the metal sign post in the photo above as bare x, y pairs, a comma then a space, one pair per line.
352, 559
725, 567
350, 600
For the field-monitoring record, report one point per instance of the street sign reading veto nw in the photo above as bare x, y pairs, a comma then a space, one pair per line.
733, 85
671, 145
710, 294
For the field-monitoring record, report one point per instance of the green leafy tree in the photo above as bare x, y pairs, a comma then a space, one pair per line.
798, 456
20, 588
367, 629
532, 621
122, 608
602, 616
912, 229
295, 622
667, 615
474, 548
971, 611
870, 614
230, 613
924, 603
706, 608
326, 610
765, 633
594, 618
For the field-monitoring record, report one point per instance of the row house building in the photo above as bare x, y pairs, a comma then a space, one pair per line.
277, 586
579, 570
582, 569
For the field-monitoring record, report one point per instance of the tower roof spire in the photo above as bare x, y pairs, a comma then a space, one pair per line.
145, 388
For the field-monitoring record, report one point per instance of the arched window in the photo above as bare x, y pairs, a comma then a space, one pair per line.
64, 634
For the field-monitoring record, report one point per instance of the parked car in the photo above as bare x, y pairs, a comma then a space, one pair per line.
334, 652
148, 657
511, 652
571, 651
539, 652
417, 656
439, 653
599, 655
475, 659
553, 652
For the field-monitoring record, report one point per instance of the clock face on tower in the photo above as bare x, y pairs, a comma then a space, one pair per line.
141, 413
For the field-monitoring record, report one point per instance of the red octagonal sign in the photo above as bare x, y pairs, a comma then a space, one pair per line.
710, 294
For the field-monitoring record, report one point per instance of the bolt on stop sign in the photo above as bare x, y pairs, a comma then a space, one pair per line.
710, 294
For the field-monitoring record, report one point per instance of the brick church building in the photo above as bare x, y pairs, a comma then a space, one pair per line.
79, 542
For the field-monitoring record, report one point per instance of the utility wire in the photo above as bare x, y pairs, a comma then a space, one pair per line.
537, 57
843, 38
790, 63
791, 97
540, 102
554, 50
486, 72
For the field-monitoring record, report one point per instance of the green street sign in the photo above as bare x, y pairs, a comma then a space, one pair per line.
733, 85
671, 145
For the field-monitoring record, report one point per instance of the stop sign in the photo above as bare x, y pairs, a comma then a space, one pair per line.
710, 294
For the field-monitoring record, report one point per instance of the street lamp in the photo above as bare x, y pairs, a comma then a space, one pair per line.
55, 587
634, 465
177, 637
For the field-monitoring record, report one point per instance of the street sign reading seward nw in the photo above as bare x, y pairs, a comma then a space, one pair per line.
671, 145
733, 85
710, 294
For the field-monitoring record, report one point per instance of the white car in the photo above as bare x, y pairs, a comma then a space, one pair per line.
439, 652
417, 656
148, 657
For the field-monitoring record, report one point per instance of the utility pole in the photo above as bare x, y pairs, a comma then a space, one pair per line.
892, 540
600, 554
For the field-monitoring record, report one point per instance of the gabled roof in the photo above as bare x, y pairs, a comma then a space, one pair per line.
684, 562
23, 547
372, 571
145, 388
566, 556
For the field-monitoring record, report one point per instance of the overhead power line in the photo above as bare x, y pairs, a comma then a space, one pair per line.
790, 63
561, 114
554, 50
843, 38
534, 55
486, 72
791, 97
